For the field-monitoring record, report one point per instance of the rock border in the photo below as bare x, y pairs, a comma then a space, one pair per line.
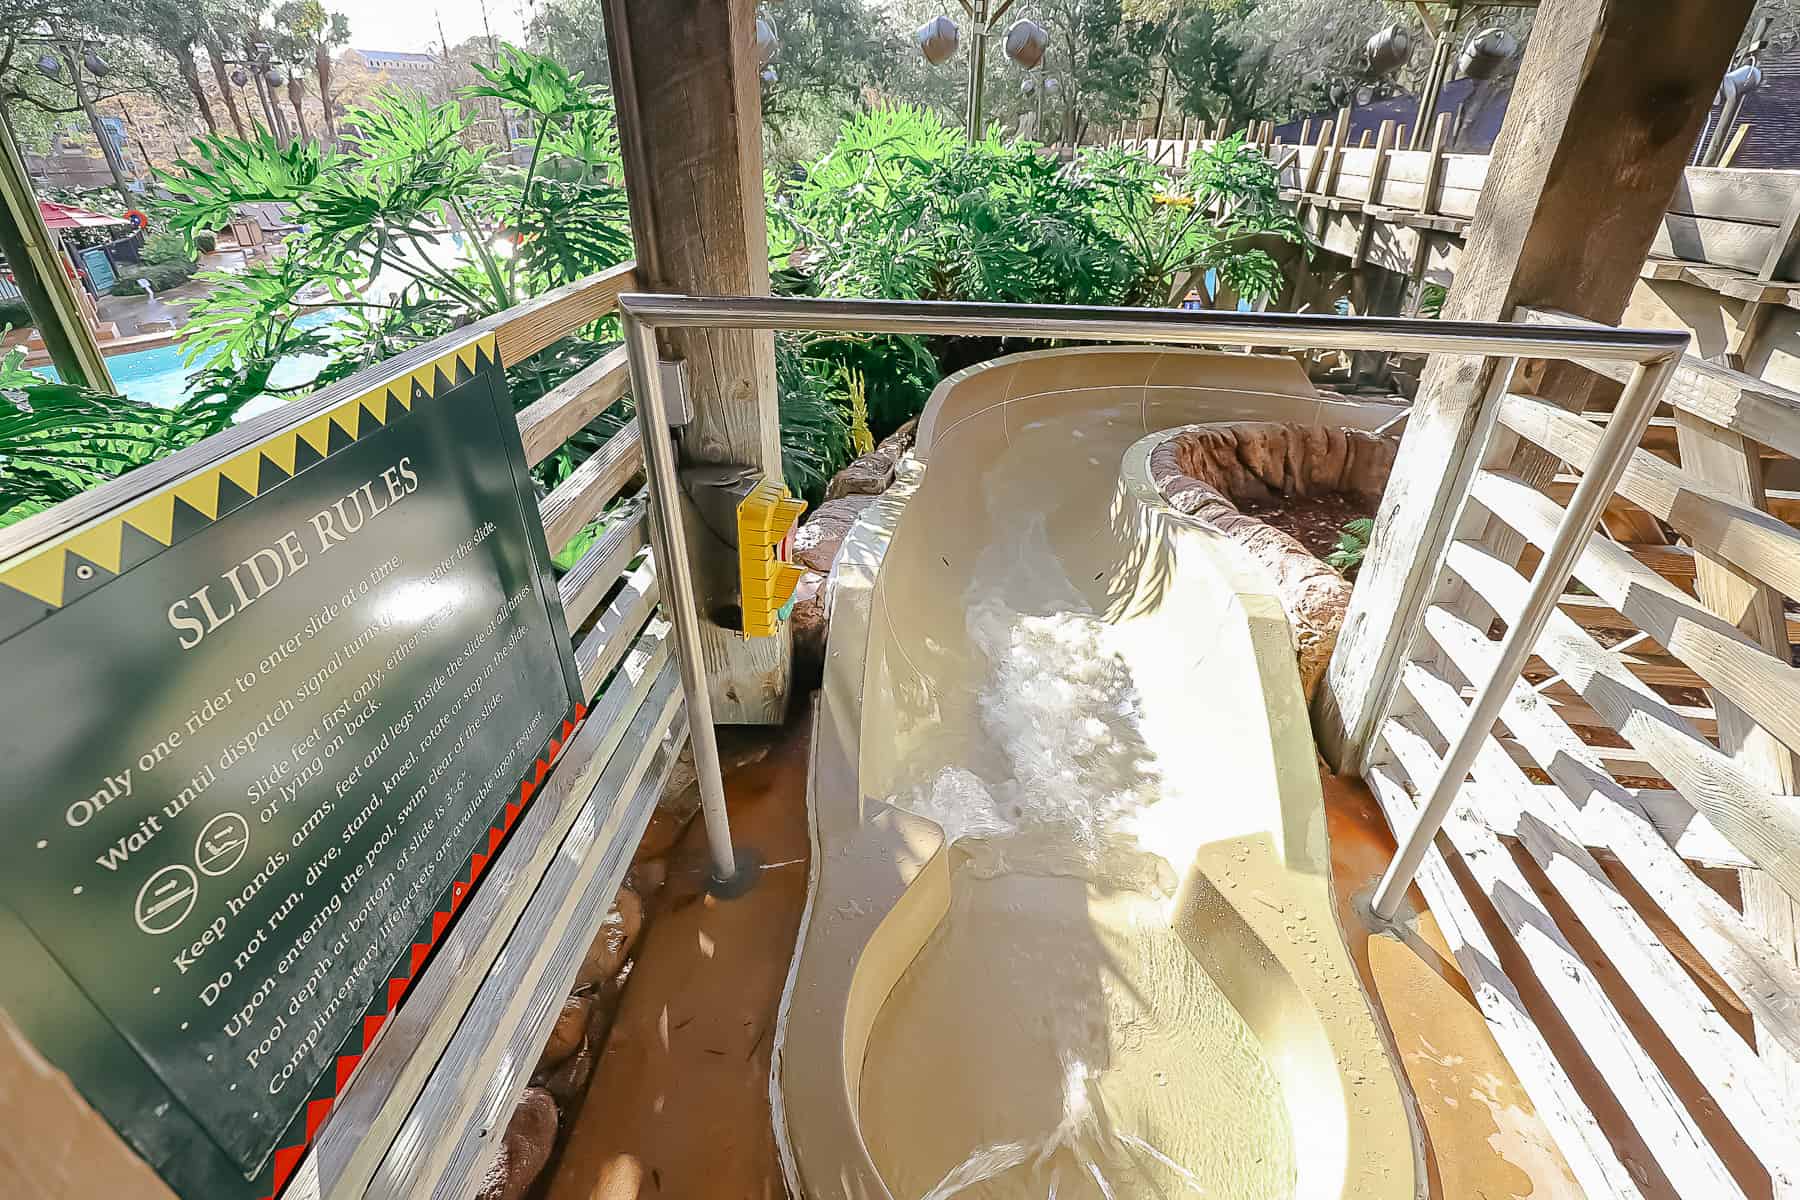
1208, 470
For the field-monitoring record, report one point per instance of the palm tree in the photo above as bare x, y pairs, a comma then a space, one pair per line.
312, 31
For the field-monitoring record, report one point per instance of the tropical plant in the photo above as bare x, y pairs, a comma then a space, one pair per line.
58, 440
1352, 544
409, 198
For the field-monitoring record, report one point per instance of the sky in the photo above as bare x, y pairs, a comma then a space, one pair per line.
413, 24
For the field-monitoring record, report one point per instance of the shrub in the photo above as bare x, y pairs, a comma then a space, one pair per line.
166, 247
14, 314
162, 277
206, 241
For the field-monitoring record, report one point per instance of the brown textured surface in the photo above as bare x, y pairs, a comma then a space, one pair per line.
1483, 1136
1214, 471
691, 1118
679, 1104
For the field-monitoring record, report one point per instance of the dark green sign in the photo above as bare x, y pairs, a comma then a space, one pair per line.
263, 727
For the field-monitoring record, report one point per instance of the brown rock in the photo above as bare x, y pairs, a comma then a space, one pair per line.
568, 1082
896, 444
567, 1033
808, 623
1207, 471
867, 475
646, 878
816, 542
612, 946
525, 1148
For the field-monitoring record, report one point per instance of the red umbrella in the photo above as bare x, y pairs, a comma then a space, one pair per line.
63, 216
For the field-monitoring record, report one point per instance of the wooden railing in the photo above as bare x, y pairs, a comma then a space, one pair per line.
418, 1116
1732, 231
1653, 737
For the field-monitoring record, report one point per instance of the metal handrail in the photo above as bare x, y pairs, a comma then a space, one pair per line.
1655, 355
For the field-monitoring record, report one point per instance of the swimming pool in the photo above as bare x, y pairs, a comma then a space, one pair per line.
160, 375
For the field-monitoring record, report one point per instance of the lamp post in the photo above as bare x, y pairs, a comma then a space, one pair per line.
1025, 43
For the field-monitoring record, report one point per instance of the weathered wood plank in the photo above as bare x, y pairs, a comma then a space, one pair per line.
514, 1001
1757, 544
1726, 461
1756, 197
1605, 91
526, 328
579, 498
1578, 1134
1715, 242
1756, 682
1614, 817
1711, 1048
595, 572
605, 645
1762, 825
1762, 411
393, 1071
566, 409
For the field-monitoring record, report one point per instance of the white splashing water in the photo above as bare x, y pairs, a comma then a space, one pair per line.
1083, 1132
1060, 705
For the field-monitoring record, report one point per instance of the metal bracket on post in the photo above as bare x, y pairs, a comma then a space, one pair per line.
676, 398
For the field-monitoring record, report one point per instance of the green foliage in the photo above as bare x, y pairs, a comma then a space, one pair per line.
903, 208
16, 314
57, 440
409, 187
167, 247
160, 276
816, 440
229, 171
1352, 544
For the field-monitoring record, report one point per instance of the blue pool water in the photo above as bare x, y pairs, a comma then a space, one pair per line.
160, 376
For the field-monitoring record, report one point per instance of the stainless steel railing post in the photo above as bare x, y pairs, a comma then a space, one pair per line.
676, 576
1623, 432
1655, 355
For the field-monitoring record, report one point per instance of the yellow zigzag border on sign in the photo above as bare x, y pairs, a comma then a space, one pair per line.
40, 572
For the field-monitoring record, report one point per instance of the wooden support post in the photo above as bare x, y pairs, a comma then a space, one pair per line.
691, 135
1384, 149
1733, 466
1434, 165
1735, 144
1607, 91
1363, 142
1306, 132
1339, 139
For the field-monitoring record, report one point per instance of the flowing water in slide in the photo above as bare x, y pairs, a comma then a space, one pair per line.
1111, 968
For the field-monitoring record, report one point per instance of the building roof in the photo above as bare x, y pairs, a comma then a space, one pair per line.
397, 56
1773, 114
1480, 128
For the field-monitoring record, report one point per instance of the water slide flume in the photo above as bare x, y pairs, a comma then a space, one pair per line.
1070, 930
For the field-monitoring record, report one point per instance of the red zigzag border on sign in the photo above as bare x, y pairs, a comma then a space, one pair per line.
287, 1158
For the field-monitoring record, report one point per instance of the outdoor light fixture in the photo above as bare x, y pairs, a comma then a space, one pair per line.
1486, 52
96, 65
1388, 49
238, 77
938, 39
1051, 87
276, 77
1025, 42
49, 66
767, 41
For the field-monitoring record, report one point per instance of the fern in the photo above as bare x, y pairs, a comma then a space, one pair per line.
1352, 545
